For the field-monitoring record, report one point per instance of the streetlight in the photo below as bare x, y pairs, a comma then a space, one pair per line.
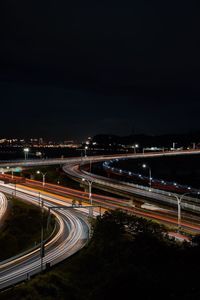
150, 178
179, 200
43, 177
26, 151
90, 188
86, 148
135, 147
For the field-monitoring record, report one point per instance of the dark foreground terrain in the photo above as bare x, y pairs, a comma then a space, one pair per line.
127, 255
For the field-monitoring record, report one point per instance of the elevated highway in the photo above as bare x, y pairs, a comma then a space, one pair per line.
82, 160
73, 230
189, 203
130, 190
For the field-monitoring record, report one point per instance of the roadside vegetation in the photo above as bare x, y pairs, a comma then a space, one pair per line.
22, 228
127, 256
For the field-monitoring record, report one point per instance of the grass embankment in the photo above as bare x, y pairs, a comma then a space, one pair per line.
22, 228
126, 256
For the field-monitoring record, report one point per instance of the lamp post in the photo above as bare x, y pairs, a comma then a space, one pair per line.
26, 151
86, 148
135, 148
179, 200
150, 178
90, 188
43, 177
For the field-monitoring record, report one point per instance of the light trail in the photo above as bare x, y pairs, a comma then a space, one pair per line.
127, 189
3, 206
73, 230
72, 236
62, 161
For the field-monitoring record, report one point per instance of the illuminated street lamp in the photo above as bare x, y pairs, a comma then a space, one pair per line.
90, 188
43, 177
136, 146
179, 200
26, 151
150, 178
86, 148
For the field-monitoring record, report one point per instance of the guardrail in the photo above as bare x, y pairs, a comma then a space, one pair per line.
107, 165
188, 203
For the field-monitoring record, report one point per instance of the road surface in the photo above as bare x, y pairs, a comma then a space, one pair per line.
72, 235
3, 206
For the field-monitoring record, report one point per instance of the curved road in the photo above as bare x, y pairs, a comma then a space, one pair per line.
128, 189
72, 235
3, 206
74, 231
57, 161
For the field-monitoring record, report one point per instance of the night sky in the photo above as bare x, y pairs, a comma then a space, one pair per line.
79, 68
